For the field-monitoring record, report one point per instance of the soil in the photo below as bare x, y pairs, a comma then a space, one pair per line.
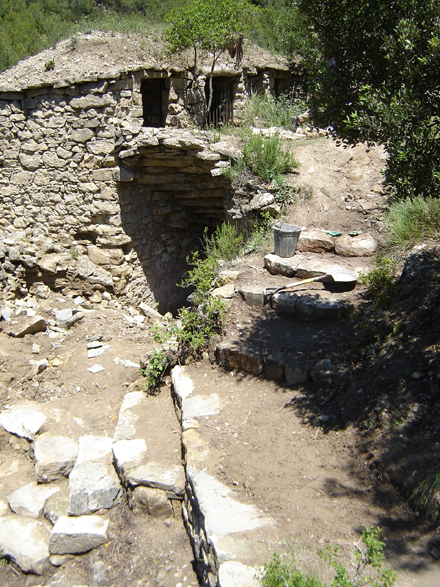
302, 454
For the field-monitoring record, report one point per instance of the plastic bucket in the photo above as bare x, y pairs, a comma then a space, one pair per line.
285, 238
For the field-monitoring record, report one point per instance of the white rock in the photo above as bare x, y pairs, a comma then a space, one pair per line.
168, 478
93, 353
7, 313
78, 534
182, 384
94, 448
54, 456
63, 315
96, 369
92, 486
29, 500
26, 542
25, 419
129, 453
234, 573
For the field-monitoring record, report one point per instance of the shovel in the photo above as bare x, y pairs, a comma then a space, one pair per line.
343, 277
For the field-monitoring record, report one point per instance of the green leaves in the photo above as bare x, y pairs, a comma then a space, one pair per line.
377, 81
206, 25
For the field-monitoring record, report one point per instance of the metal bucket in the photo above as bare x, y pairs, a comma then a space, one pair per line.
285, 238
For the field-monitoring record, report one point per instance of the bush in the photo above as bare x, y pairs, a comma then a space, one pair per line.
154, 371
381, 282
267, 157
226, 243
412, 221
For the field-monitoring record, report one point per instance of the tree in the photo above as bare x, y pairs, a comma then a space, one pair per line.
212, 27
377, 80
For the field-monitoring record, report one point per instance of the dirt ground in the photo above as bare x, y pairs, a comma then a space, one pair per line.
282, 447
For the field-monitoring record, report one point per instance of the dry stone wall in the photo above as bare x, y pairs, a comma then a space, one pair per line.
92, 200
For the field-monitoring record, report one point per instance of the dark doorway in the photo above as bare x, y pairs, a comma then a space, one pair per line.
154, 101
222, 107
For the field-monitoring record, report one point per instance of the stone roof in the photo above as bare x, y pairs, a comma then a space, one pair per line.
99, 55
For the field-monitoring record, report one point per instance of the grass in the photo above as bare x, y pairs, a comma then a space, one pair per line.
413, 221
265, 110
268, 158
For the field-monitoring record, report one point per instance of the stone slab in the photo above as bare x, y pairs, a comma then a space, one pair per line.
25, 419
168, 478
129, 454
26, 542
357, 246
199, 406
182, 384
74, 535
54, 457
92, 486
234, 573
29, 500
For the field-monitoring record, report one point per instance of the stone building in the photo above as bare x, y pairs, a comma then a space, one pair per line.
105, 181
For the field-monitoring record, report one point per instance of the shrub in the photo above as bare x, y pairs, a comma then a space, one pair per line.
381, 282
267, 157
411, 221
226, 243
154, 371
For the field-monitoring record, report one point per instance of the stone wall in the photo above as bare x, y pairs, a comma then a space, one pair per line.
77, 219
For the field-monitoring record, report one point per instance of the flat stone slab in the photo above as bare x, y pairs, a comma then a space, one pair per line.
54, 457
29, 500
125, 429
74, 535
253, 295
25, 420
222, 513
92, 486
156, 475
233, 573
26, 542
182, 384
31, 326
300, 266
199, 406
129, 454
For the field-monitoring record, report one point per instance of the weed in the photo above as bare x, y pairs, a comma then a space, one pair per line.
412, 221
369, 567
201, 323
427, 490
154, 371
267, 157
381, 282
74, 254
201, 276
49, 65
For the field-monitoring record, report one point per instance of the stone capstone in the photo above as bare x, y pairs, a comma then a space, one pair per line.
357, 246
234, 573
72, 535
166, 477
26, 542
54, 457
315, 241
25, 419
29, 500
92, 486
153, 501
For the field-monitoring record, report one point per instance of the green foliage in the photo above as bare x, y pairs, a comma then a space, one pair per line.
369, 567
226, 243
412, 221
201, 276
207, 26
154, 371
200, 323
427, 490
267, 157
265, 110
381, 282
376, 80
281, 28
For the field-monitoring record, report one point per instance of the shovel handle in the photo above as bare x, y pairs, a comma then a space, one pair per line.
303, 282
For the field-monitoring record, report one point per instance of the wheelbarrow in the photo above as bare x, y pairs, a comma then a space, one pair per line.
336, 280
